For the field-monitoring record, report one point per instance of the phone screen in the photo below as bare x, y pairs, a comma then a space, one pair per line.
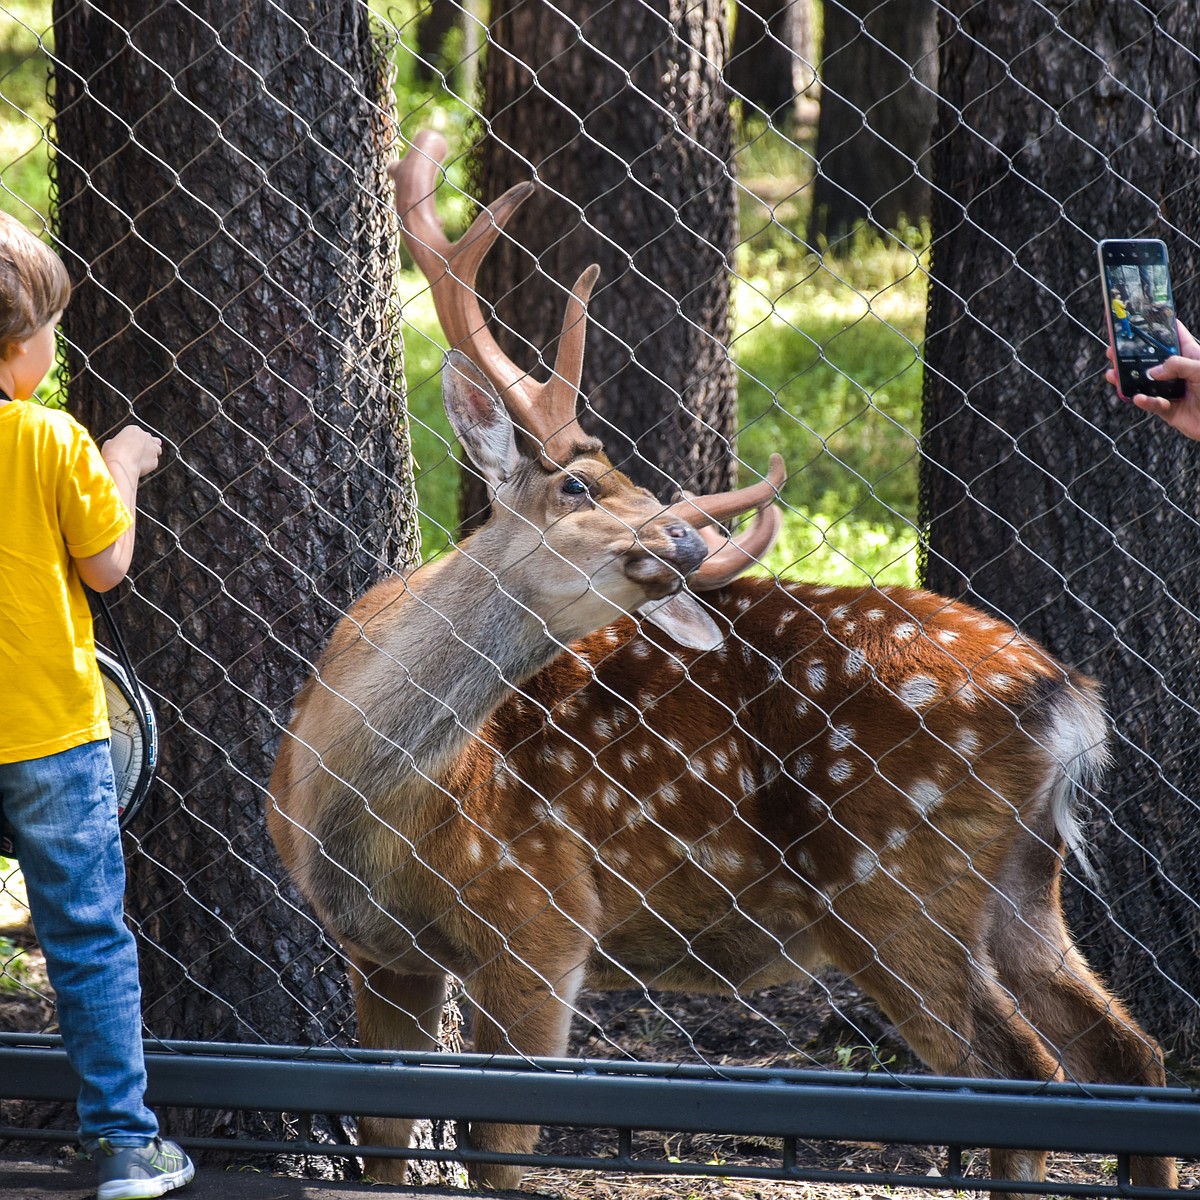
1141, 313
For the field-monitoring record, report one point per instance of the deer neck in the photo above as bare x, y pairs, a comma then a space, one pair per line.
469, 636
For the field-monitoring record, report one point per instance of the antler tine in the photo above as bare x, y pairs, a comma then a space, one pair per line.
731, 556
699, 511
546, 411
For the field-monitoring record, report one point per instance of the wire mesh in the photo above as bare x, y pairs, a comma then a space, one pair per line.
863, 235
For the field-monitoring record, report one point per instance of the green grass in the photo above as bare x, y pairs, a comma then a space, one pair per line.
24, 111
826, 345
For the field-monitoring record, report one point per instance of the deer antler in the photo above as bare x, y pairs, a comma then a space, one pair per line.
546, 411
699, 511
730, 556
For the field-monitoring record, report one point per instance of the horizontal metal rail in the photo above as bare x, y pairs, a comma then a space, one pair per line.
787, 1104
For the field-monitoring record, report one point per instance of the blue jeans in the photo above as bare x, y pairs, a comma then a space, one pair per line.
63, 813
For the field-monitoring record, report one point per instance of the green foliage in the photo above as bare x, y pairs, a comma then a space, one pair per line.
14, 967
25, 112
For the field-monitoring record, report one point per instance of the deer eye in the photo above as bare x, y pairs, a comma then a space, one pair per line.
574, 487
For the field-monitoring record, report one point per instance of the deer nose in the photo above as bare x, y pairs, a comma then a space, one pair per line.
687, 549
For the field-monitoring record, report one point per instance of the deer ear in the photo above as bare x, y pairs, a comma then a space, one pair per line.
479, 419
684, 619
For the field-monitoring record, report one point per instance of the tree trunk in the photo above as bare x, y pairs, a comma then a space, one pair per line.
627, 127
1047, 499
223, 205
878, 81
772, 55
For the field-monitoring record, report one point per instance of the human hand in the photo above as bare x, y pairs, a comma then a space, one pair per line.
1183, 415
135, 449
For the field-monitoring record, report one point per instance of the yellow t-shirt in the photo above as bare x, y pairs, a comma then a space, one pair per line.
59, 503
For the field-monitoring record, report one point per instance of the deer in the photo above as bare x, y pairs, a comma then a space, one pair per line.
583, 749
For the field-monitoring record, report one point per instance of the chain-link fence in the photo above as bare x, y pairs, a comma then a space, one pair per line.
809, 825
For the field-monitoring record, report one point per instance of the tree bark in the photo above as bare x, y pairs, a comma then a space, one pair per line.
223, 206
620, 112
1046, 499
878, 81
771, 57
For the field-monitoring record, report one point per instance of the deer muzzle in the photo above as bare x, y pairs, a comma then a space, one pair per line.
663, 556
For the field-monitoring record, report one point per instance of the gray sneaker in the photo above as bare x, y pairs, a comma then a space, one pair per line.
141, 1172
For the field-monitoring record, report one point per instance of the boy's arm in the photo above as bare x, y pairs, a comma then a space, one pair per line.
129, 456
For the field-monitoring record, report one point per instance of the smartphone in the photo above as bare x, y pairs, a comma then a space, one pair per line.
1140, 307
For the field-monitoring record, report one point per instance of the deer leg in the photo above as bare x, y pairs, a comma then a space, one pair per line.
525, 1010
395, 1012
946, 1002
1076, 1015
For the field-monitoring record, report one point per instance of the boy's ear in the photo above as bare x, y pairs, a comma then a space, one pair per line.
478, 417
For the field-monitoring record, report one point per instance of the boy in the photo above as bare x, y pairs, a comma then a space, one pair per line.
69, 522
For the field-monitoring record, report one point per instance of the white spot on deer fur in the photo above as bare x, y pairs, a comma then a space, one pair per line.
629, 758
866, 863
841, 736
815, 674
474, 851
801, 765
588, 790
786, 619
905, 631
967, 695
896, 839
924, 793
918, 691
620, 857
720, 759
849, 628
803, 862
640, 649
947, 636
856, 660
612, 637
668, 794
745, 780
612, 799
801, 706
966, 742
841, 770
602, 727
839, 613
821, 591
567, 760
875, 614
1000, 682
732, 861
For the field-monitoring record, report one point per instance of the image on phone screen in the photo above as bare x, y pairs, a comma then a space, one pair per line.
1141, 313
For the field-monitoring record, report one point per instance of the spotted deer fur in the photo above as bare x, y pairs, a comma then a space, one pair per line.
880, 779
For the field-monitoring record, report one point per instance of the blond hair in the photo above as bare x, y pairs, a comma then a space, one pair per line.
34, 285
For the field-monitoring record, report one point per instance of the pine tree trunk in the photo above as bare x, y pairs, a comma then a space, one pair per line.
878, 75
768, 55
1048, 500
222, 201
627, 127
